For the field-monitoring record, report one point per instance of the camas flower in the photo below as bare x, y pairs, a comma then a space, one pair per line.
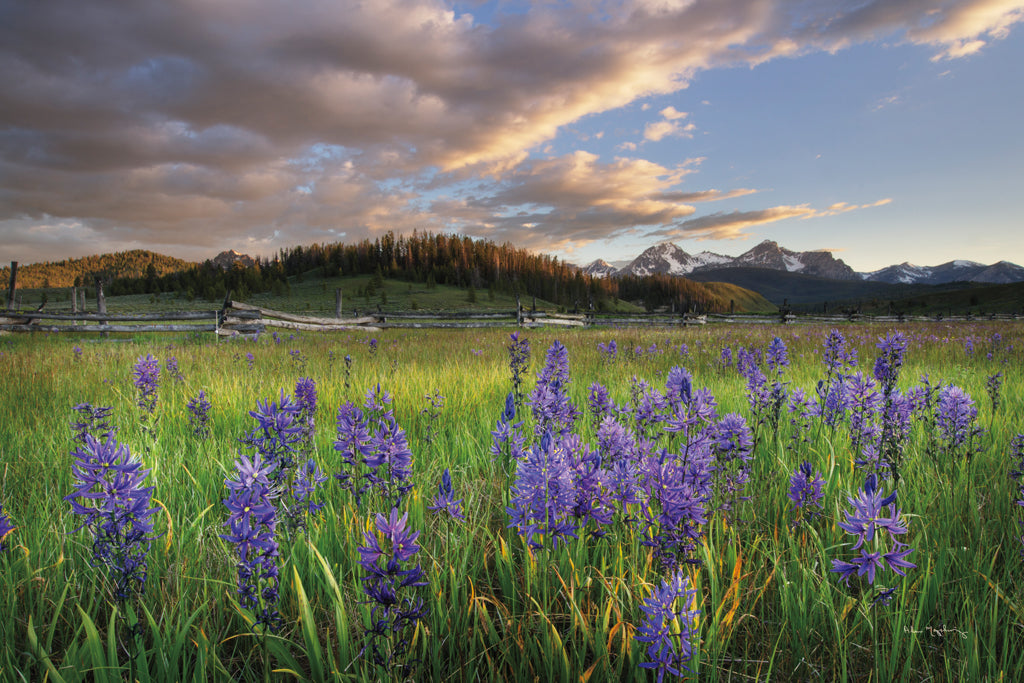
146, 376
838, 353
609, 352
871, 525
5, 528
252, 523
777, 356
518, 364
805, 491
390, 585
445, 498
670, 625
199, 415
95, 421
277, 433
599, 402
956, 415
1017, 454
305, 397
114, 506
543, 495
172, 369
893, 348
305, 483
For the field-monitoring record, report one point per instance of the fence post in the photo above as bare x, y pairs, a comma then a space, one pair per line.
10, 290
101, 304
337, 302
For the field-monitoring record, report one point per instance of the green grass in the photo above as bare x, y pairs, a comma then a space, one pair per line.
771, 610
313, 294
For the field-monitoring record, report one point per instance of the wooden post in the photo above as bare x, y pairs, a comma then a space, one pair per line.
101, 303
74, 300
10, 290
83, 299
337, 302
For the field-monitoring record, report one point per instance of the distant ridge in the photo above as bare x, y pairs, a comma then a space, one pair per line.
122, 264
667, 258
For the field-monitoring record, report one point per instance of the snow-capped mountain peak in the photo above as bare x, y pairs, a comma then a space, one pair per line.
667, 258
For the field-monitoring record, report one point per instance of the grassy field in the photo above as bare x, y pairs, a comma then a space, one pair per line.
770, 608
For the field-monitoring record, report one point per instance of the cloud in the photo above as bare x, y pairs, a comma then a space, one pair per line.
731, 225
202, 124
670, 125
575, 199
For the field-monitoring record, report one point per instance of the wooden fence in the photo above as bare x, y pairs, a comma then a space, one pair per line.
236, 318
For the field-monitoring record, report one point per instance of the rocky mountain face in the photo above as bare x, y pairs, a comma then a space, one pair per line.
228, 259
599, 268
667, 258
999, 273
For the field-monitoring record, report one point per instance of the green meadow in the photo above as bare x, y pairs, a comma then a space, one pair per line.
770, 608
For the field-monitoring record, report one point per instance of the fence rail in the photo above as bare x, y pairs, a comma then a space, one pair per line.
237, 318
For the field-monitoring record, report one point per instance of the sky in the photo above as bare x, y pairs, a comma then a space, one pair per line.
881, 130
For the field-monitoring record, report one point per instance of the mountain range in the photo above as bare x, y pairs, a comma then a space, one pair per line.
670, 259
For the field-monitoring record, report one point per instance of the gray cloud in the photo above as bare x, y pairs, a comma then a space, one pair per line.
194, 124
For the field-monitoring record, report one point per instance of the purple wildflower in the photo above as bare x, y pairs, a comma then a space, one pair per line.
993, 386
805, 492
893, 348
777, 356
549, 402
683, 492
305, 397
252, 523
731, 444
838, 353
435, 404
669, 630
199, 415
353, 443
171, 364
599, 402
956, 417
445, 498
374, 449
614, 441
307, 480
543, 495
95, 421
391, 589
1017, 454
518, 364
146, 376
114, 506
6, 527
277, 434
678, 386
871, 525
609, 352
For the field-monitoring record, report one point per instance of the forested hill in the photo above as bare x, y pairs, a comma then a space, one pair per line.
457, 261
481, 264
133, 264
